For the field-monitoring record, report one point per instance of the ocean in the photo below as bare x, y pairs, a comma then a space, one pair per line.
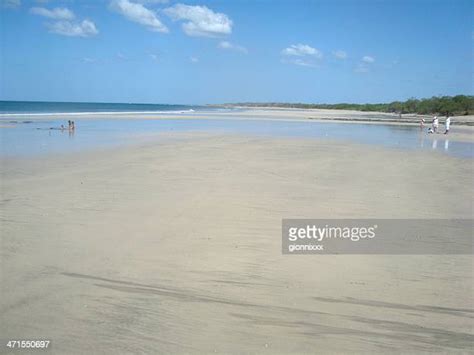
38, 107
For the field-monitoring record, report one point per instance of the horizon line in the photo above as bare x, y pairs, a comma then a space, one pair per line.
237, 102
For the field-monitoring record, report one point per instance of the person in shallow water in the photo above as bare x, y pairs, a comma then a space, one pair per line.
435, 124
447, 123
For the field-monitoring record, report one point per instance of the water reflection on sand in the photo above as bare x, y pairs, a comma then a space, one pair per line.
33, 137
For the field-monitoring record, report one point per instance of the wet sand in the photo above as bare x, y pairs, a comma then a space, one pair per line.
462, 127
175, 246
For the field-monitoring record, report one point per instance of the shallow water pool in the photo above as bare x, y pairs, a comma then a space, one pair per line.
31, 137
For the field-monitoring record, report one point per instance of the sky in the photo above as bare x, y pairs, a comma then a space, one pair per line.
215, 51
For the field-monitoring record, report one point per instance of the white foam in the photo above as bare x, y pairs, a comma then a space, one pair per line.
4, 115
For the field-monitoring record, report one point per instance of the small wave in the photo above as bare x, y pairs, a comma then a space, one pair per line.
93, 113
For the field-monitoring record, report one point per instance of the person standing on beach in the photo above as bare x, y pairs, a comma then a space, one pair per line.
447, 123
422, 123
435, 124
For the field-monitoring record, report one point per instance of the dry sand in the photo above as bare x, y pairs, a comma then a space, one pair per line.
175, 246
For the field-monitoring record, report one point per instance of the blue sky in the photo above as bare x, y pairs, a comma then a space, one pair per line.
197, 52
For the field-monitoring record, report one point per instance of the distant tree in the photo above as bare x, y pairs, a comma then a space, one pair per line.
460, 105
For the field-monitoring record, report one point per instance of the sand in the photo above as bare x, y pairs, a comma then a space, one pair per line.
174, 246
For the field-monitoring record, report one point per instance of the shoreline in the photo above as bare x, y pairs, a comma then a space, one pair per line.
91, 113
467, 120
364, 116
458, 132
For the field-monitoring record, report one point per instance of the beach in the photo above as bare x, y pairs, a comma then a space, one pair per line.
172, 244
230, 177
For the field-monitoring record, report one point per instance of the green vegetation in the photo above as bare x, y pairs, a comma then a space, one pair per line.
453, 105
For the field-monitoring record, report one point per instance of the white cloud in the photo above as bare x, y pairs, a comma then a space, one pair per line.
86, 28
154, 57
301, 50
58, 13
64, 24
201, 21
10, 4
368, 59
299, 61
340, 54
303, 63
365, 64
193, 59
138, 13
302, 55
232, 46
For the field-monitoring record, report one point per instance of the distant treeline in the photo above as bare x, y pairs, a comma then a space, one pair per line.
453, 105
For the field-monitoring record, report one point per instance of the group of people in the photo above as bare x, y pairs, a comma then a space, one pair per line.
435, 124
71, 126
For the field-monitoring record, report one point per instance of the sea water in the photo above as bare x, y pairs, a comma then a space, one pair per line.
28, 136
38, 108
